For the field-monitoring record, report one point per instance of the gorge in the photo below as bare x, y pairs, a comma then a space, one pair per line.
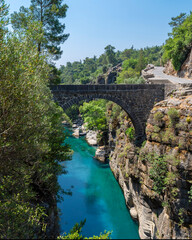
160, 205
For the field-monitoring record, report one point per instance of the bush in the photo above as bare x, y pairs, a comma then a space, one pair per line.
158, 172
173, 116
190, 194
158, 116
130, 132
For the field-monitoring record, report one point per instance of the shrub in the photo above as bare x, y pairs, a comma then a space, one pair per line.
158, 172
173, 116
181, 217
130, 132
158, 116
190, 194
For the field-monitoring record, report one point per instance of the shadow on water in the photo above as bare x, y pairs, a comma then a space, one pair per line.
96, 196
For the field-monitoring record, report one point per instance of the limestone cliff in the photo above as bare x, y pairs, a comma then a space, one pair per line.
157, 178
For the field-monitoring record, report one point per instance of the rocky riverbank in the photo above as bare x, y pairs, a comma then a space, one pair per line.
79, 130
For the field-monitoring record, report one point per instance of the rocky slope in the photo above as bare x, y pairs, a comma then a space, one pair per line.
186, 69
156, 179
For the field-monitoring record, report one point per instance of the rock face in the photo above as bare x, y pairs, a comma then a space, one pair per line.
110, 76
186, 69
169, 70
91, 138
156, 179
101, 154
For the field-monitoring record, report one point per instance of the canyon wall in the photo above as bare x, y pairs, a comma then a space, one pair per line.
156, 179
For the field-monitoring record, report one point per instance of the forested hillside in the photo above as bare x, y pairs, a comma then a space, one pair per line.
132, 60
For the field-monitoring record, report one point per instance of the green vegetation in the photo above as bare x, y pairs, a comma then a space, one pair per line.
130, 132
163, 180
190, 194
75, 233
173, 116
188, 120
181, 217
31, 132
178, 46
158, 116
94, 115
73, 112
47, 13
158, 172
133, 61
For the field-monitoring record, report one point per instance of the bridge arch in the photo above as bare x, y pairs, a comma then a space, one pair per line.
138, 128
136, 100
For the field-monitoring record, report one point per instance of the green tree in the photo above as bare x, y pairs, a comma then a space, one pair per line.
54, 75
177, 21
141, 64
178, 46
48, 13
3, 17
76, 233
31, 136
94, 114
110, 53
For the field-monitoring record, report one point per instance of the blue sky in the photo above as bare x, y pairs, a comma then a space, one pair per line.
94, 24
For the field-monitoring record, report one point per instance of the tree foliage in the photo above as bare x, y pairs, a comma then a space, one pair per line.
94, 114
177, 21
75, 233
178, 46
48, 13
133, 61
31, 136
110, 54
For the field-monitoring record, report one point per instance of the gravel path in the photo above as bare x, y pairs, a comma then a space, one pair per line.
160, 75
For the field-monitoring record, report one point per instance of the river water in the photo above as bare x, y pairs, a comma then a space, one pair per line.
96, 196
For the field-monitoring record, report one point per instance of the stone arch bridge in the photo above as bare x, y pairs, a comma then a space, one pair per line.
136, 99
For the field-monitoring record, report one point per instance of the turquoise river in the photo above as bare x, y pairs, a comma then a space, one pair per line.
96, 196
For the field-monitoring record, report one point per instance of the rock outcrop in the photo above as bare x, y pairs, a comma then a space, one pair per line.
101, 154
169, 69
156, 179
110, 76
91, 138
186, 68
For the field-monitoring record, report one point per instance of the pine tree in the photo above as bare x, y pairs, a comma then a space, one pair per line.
48, 13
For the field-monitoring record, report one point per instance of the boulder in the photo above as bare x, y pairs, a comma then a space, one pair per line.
76, 133
100, 154
133, 213
91, 138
